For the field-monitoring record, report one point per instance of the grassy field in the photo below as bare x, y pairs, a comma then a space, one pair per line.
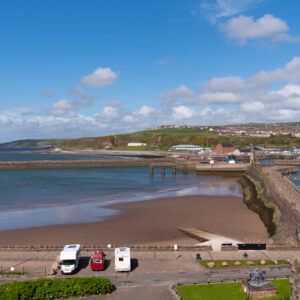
227, 291
218, 263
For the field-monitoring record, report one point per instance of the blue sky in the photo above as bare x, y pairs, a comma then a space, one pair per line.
74, 68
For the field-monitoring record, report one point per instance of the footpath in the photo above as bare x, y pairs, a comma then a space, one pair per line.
283, 186
37, 264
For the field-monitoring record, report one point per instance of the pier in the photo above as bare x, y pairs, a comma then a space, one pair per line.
162, 165
175, 165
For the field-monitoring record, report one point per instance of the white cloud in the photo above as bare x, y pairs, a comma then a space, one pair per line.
76, 92
226, 84
287, 114
109, 112
4, 119
61, 108
128, 118
219, 98
269, 29
183, 112
253, 106
85, 100
255, 88
145, 110
252, 99
243, 28
22, 111
218, 9
100, 77
289, 90
180, 94
115, 103
289, 96
223, 100
290, 72
206, 111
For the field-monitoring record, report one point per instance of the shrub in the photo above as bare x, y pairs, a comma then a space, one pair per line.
46, 288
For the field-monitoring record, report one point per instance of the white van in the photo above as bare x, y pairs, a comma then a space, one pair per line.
122, 259
69, 258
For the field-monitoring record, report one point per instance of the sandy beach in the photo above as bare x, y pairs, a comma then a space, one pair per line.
152, 222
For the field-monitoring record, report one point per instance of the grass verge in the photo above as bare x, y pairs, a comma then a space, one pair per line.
13, 273
228, 291
231, 263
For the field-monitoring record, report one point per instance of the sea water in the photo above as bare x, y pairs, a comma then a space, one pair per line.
40, 197
31, 154
293, 177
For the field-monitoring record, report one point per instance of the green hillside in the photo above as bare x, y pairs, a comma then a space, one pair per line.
158, 139
34, 143
162, 139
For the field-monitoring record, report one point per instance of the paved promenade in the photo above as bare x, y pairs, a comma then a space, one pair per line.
283, 186
153, 272
143, 262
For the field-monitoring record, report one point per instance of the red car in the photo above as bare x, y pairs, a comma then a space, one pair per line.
98, 261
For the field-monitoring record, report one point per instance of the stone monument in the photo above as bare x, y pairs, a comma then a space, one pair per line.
252, 156
258, 286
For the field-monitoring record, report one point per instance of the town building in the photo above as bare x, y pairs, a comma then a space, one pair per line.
224, 148
136, 144
186, 148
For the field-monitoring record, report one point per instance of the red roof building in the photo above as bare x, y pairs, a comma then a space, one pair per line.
224, 148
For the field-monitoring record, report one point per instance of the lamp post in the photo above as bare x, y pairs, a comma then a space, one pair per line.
246, 294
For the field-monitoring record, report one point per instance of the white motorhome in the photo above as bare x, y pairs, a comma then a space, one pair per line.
69, 258
122, 259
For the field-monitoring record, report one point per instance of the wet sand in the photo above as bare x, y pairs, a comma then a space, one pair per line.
151, 222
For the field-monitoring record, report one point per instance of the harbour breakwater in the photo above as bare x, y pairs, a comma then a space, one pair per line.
63, 164
281, 219
286, 162
177, 163
267, 212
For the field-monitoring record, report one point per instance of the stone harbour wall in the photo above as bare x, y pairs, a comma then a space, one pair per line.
280, 218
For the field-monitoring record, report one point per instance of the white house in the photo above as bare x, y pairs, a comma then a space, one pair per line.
136, 144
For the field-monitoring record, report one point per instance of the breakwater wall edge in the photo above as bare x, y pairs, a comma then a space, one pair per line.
180, 164
64, 164
267, 212
279, 217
